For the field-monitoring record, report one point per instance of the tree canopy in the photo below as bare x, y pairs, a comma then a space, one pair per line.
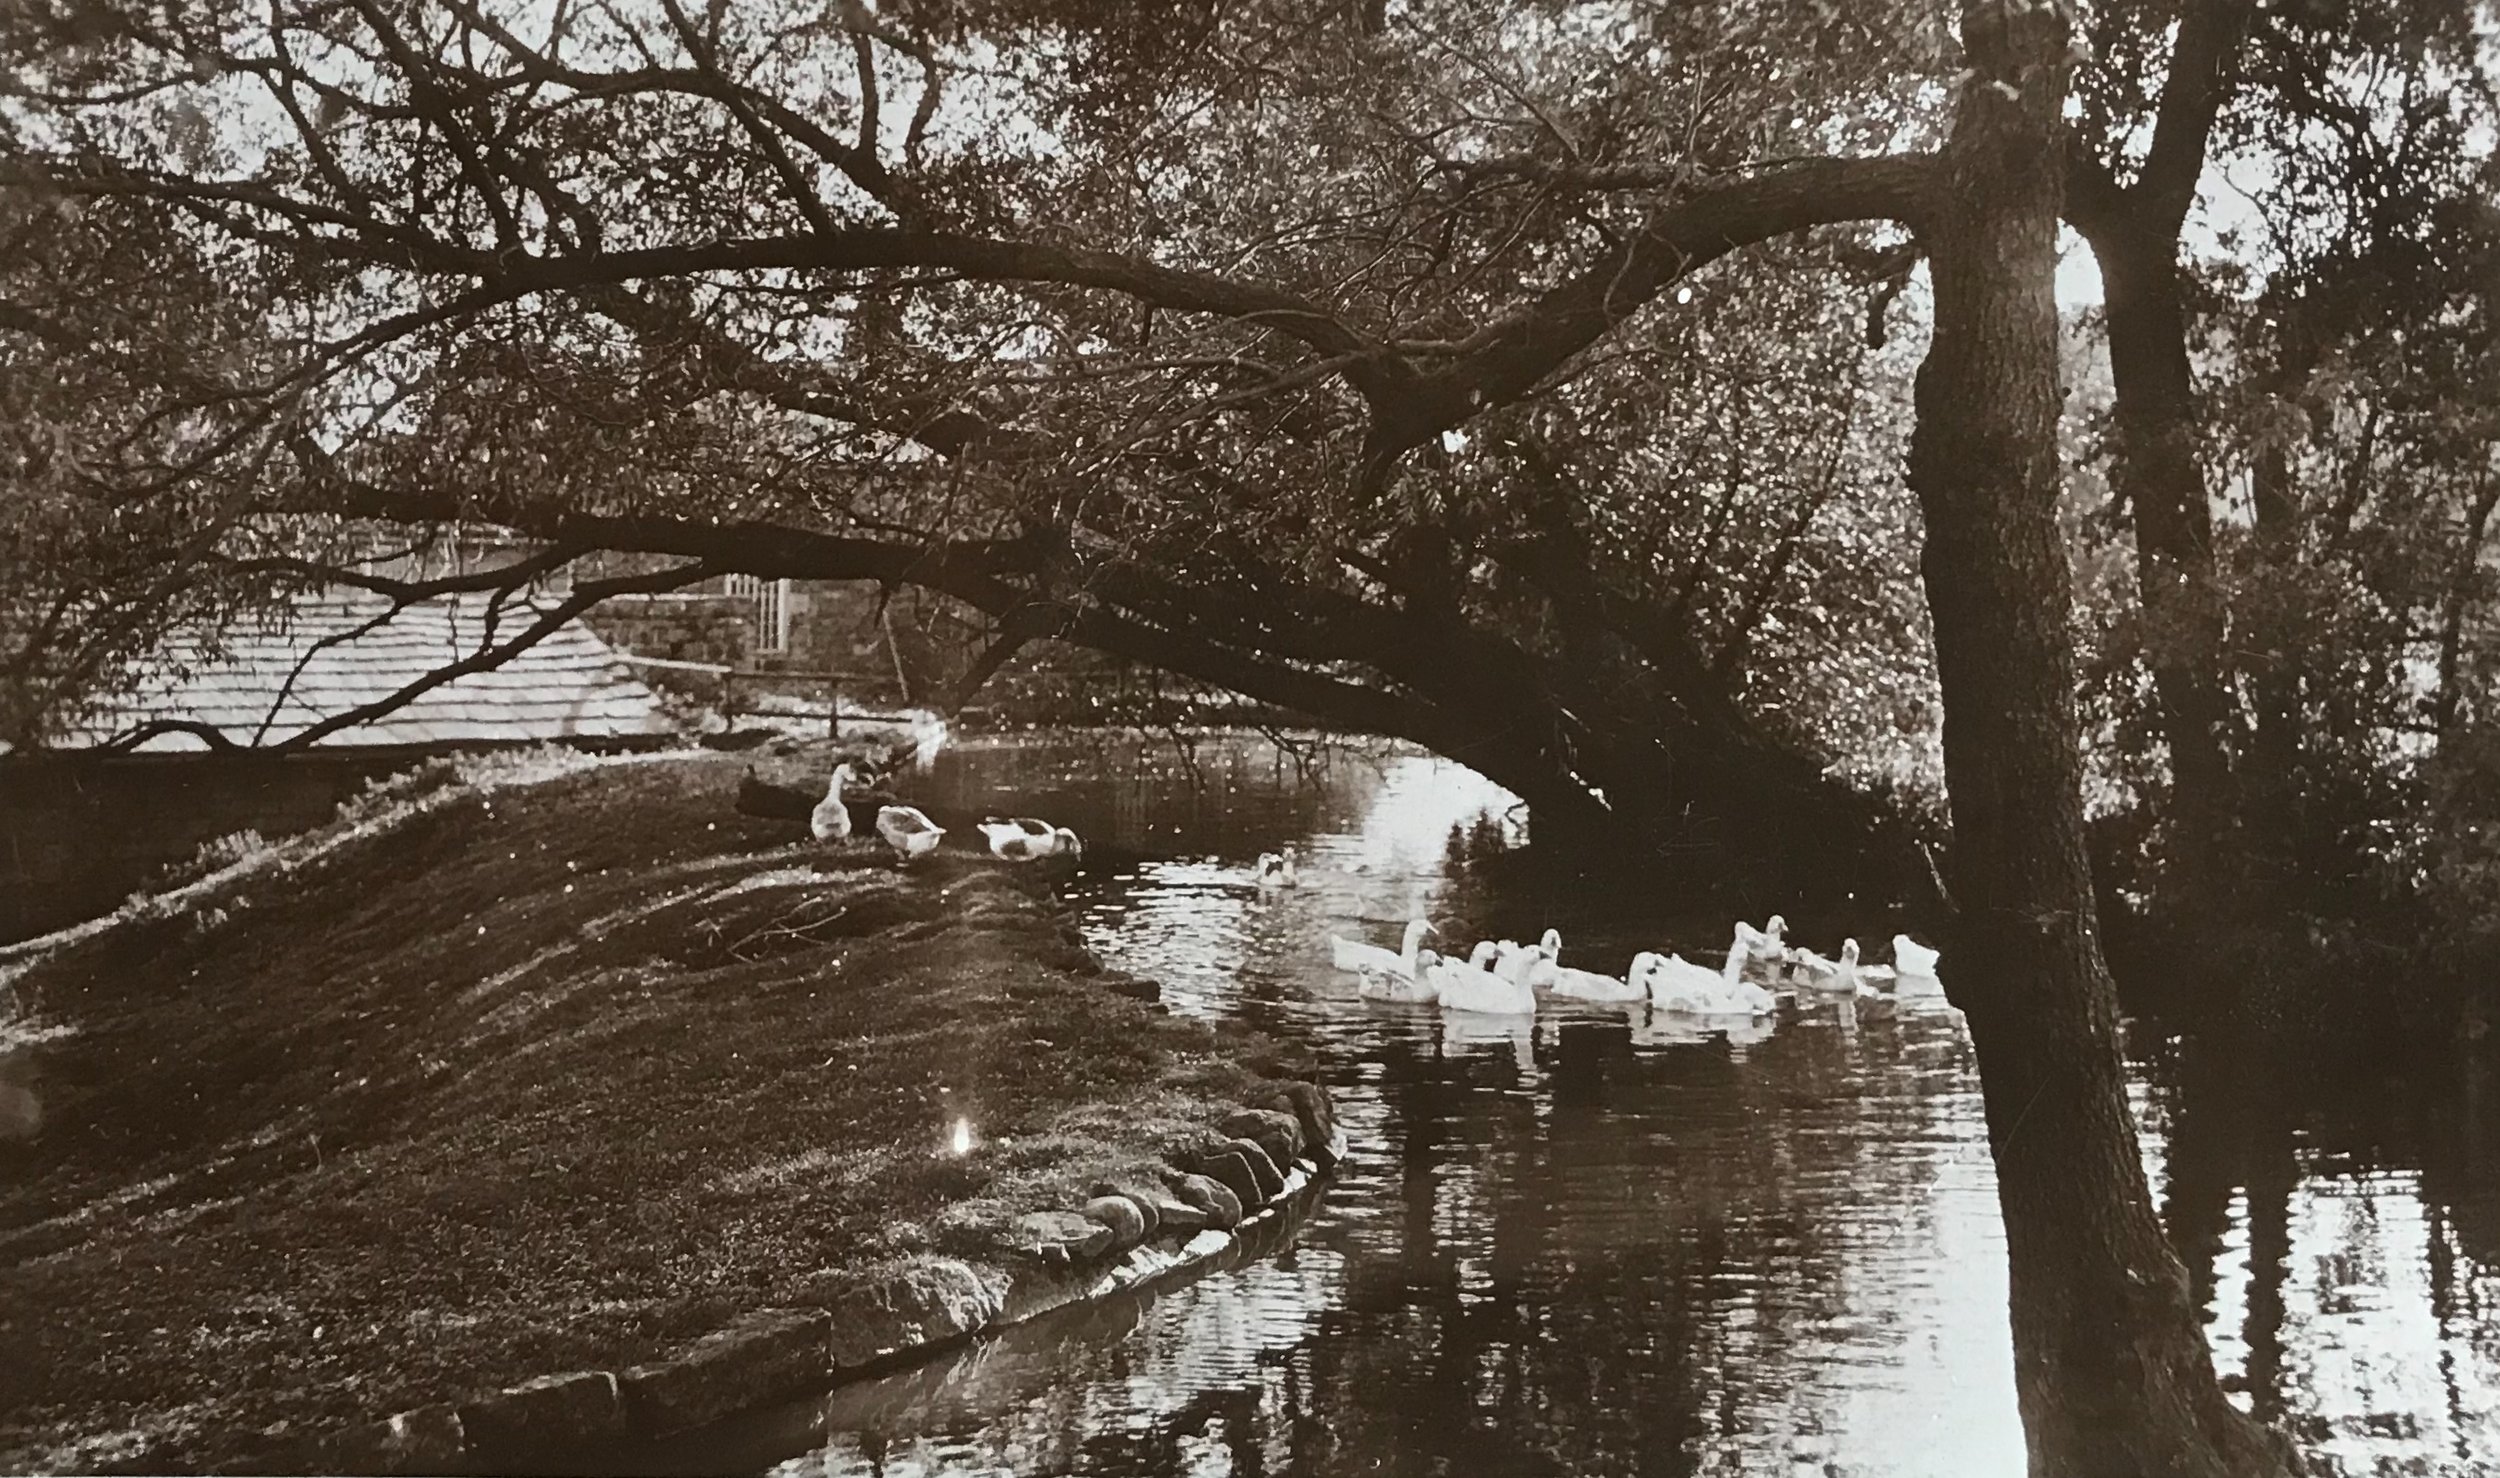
1532, 381
1528, 381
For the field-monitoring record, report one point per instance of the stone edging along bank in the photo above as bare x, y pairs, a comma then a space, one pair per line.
1119, 1241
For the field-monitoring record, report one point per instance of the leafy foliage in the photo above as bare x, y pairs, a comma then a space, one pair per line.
1385, 362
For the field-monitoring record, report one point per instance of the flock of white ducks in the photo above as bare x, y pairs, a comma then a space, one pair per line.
1498, 977
1503, 978
910, 832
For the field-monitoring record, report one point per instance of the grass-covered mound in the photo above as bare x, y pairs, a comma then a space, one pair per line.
504, 1079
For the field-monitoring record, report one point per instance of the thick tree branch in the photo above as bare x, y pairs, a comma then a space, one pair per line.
510, 576
130, 739
1507, 359
486, 658
2191, 98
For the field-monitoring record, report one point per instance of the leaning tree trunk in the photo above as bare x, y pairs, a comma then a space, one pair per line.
2111, 1368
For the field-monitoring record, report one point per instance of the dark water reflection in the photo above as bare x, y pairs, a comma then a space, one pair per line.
1599, 1244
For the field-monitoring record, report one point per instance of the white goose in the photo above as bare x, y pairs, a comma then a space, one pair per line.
1587, 985
1816, 972
1279, 870
1763, 946
1845, 976
1474, 987
1677, 984
831, 820
1532, 965
1913, 958
1412, 990
908, 830
1024, 839
1354, 954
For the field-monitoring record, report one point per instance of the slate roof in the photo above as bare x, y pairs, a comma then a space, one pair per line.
570, 686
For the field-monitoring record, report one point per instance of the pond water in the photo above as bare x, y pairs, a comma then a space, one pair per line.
1598, 1244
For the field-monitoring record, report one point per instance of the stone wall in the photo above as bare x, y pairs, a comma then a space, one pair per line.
682, 628
835, 626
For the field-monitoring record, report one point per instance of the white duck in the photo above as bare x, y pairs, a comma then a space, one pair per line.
1532, 965
1412, 990
1587, 985
1353, 954
1913, 958
1845, 976
831, 820
1677, 984
1279, 870
1024, 839
1764, 946
1474, 987
908, 830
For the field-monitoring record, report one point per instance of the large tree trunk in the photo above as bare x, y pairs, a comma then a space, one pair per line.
2111, 1367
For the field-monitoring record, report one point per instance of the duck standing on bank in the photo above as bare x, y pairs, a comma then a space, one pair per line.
831, 820
909, 831
1027, 839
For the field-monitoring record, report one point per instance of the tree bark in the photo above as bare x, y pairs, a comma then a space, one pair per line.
2134, 233
2161, 479
2111, 1367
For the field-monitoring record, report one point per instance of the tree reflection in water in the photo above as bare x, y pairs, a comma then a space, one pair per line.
2332, 1228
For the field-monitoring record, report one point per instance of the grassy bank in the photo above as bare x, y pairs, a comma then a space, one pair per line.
512, 1078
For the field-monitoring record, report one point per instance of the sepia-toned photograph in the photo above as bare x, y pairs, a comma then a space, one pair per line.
1250, 738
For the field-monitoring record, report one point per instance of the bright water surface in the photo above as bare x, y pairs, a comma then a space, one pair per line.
1599, 1245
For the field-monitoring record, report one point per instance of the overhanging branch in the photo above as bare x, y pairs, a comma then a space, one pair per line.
486, 658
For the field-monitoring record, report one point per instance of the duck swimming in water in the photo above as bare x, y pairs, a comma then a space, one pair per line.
1913, 958
1474, 987
1533, 965
1411, 990
1355, 955
1678, 985
1764, 947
